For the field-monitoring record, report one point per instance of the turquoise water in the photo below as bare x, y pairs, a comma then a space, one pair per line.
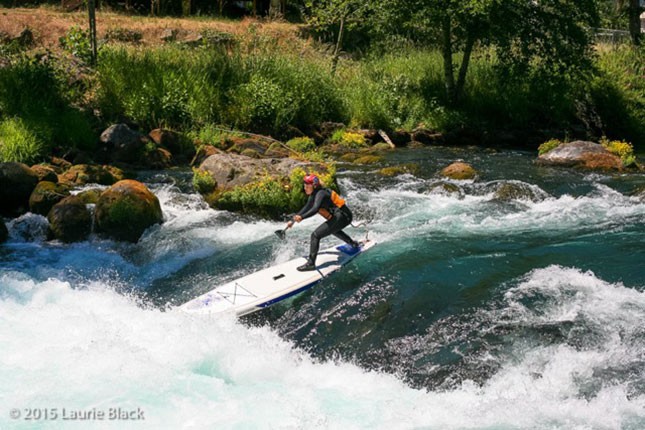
472, 312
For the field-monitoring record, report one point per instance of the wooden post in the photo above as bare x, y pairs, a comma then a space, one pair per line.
92, 16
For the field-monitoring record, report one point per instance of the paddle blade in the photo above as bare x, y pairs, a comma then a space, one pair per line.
280, 234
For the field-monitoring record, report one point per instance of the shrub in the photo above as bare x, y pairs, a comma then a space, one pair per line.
620, 148
548, 146
203, 182
349, 139
18, 142
77, 42
301, 144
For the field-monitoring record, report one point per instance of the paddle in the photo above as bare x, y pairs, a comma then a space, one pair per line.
282, 233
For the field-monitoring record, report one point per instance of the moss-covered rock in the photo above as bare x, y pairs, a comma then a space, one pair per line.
277, 151
82, 174
402, 169
581, 154
45, 196
69, 220
90, 197
508, 191
445, 188
45, 173
17, 181
459, 170
126, 209
368, 159
265, 187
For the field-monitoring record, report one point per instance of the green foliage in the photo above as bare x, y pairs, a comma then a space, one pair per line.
77, 42
211, 134
19, 143
33, 90
548, 146
301, 144
348, 139
203, 182
620, 148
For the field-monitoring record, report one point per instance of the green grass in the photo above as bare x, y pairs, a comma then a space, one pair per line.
19, 143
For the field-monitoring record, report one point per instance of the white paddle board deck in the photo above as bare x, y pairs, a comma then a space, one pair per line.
269, 286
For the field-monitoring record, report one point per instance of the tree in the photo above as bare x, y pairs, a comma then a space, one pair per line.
324, 14
554, 35
635, 21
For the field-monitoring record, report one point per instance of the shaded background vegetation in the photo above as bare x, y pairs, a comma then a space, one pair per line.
54, 102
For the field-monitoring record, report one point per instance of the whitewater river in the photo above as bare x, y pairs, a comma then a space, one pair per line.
472, 312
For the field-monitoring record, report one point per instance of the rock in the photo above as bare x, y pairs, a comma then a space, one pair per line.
232, 170
508, 191
380, 147
172, 141
4, 233
581, 154
158, 158
45, 196
459, 170
368, 159
123, 144
241, 145
400, 138
169, 35
90, 197
17, 181
328, 128
126, 210
59, 165
427, 137
45, 173
203, 153
276, 151
82, 174
445, 188
410, 168
69, 220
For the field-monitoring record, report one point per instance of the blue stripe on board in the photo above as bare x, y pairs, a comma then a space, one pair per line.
289, 294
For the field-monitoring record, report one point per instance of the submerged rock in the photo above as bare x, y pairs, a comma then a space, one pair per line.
459, 170
17, 181
583, 154
126, 209
508, 191
69, 220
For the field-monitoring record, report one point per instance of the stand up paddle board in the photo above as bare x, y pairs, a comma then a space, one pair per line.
261, 289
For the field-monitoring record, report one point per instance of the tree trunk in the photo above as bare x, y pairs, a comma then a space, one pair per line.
339, 42
463, 68
446, 50
635, 21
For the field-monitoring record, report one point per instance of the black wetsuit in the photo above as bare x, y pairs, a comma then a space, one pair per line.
340, 218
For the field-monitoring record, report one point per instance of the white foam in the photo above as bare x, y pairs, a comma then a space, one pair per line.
93, 348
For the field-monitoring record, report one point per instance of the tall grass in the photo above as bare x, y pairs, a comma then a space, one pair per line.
175, 87
34, 102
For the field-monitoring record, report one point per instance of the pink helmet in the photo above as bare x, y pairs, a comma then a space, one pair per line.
312, 180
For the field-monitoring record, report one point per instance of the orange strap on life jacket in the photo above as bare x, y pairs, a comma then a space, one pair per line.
337, 200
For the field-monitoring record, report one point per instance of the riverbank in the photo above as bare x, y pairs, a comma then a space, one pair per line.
256, 76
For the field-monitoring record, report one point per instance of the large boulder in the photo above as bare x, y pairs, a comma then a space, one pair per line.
121, 143
232, 170
125, 210
263, 187
583, 154
459, 170
17, 181
69, 220
179, 146
82, 174
45, 196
